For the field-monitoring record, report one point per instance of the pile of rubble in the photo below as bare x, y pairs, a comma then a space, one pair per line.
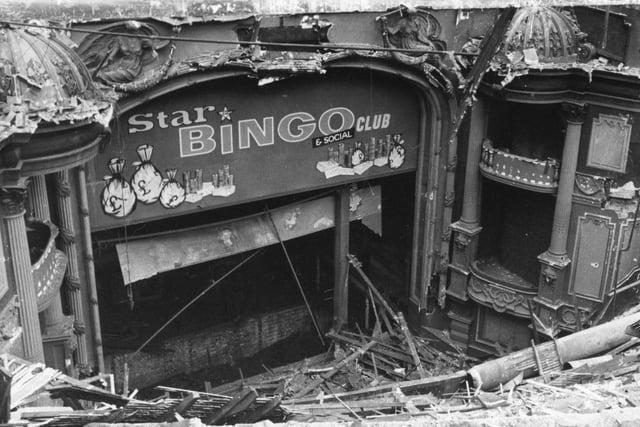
385, 375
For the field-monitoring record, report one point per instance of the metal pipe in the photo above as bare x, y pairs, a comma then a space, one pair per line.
90, 267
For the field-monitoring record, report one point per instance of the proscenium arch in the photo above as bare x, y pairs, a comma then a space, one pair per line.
436, 109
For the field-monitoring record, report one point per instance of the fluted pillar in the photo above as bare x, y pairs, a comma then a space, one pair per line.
39, 208
12, 207
562, 214
554, 261
69, 246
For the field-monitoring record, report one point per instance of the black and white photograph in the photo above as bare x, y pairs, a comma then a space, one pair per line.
319, 213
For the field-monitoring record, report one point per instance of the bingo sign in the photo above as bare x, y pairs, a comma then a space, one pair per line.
230, 142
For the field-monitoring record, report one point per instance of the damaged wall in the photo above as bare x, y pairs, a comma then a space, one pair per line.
215, 346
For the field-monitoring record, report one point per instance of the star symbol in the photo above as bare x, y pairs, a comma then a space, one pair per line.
225, 114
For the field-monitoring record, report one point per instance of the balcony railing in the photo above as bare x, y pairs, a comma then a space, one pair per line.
494, 286
519, 171
48, 263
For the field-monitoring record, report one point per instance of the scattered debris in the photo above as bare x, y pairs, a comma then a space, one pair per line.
387, 374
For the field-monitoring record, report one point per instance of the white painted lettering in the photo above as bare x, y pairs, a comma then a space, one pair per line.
180, 118
346, 120
200, 113
226, 139
196, 140
135, 120
248, 129
292, 133
162, 117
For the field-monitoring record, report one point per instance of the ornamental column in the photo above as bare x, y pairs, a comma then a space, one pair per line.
39, 208
466, 231
555, 260
72, 279
12, 209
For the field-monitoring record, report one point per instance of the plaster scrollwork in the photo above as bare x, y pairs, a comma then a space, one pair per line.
9, 322
550, 275
590, 185
499, 298
461, 241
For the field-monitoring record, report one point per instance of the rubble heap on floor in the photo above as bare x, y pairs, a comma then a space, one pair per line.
385, 375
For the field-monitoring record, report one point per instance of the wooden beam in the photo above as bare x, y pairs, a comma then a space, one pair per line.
440, 384
341, 249
235, 405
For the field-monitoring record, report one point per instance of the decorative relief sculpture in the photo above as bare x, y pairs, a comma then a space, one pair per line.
416, 28
590, 185
500, 299
118, 59
609, 143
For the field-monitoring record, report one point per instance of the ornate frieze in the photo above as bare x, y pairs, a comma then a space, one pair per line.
498, 297
609, 143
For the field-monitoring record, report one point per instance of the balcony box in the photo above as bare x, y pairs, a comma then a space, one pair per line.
519, 171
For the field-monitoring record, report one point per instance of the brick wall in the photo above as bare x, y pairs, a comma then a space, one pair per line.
217, 345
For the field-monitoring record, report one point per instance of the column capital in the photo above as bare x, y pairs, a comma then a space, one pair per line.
574, 112
12, 201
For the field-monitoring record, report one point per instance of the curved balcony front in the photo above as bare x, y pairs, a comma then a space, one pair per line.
48, 264
492, 285
519, 171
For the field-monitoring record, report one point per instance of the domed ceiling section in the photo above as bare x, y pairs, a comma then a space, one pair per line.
43, 80
552, 33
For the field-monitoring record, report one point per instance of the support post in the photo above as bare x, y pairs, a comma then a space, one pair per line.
466, 231
90, 267
72, 279
12, 204
554, 261
341, 264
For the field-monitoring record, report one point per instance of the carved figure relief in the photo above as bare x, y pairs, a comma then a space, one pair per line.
415, 28
118, 59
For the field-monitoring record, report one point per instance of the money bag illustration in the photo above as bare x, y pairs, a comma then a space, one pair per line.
397, 152
358, 155
118, 198
173, 193
147, 180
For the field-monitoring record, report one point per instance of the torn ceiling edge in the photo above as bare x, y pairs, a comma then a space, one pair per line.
192, 11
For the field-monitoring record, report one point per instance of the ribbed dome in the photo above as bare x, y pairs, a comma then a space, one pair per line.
41, 78
553, 33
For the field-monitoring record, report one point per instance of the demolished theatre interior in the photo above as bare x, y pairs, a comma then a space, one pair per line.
430, 187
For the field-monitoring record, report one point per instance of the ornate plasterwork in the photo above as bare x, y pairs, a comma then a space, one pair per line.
609, 143
498, 297
9, 320
591, 186
120, 59
12, 201
416, 28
